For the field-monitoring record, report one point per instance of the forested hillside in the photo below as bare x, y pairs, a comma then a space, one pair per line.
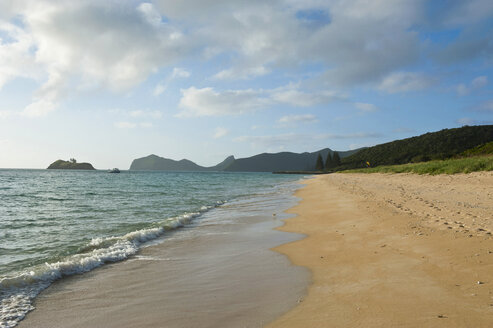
443, 144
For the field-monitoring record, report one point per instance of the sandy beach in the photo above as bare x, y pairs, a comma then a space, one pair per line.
398, 250
384, 250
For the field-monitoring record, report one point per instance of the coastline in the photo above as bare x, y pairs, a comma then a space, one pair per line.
394, 250
218, 272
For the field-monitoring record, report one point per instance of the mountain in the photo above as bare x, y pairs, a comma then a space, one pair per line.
154, 162
442, 144
266, 162
223, 165
68, 165
285, 161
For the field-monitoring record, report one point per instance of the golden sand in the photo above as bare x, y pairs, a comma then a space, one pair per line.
396, 250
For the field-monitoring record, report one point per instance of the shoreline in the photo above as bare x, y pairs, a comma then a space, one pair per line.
220, 272
394, 250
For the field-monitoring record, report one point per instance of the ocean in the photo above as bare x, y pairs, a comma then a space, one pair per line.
55, 224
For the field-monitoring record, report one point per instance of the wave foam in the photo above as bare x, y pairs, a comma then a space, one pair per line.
18, 291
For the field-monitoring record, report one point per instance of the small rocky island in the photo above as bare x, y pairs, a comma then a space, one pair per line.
70, 165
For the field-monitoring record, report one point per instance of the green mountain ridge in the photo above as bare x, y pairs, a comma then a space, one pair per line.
284, 161
157, 163
266, 162
443, 144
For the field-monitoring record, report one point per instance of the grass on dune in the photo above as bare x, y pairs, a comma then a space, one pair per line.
449, 166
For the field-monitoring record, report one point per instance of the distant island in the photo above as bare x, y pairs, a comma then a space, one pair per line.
70, 165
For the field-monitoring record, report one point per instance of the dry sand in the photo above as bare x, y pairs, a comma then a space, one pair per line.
397, 250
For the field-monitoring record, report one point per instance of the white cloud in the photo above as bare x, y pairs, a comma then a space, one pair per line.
465, 121
180, 72
68, 44
366, 40
366, 107
467, 12
293, 119
159, 89
146, 125
38, 108
125, 125
16, 59
85, 43
272, 140
241, 72
293, 97
354, 146
176, 73
146, 114
150, 14
133, 125
208, 102
462, 89
477, 83
404, 82
4, 114
360, 41
220, 132
135, 118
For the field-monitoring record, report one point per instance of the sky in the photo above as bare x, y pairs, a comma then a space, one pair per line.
106, 82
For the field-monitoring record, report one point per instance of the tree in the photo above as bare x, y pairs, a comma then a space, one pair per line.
329, 162
337, 159
320, 163
73, 160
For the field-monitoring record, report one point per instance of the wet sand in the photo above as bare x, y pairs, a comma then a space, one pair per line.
223, 276
394, 251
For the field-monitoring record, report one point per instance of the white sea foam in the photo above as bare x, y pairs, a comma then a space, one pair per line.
18, 291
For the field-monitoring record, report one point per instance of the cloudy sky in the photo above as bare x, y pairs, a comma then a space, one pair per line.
110, 81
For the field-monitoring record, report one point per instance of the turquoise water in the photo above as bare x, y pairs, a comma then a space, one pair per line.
58, 223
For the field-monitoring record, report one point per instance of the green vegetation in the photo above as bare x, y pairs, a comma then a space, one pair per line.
443, 144
319, 166
333, 160
284, 161
486, 149
449, 166
328, 161
69, 165
337, 159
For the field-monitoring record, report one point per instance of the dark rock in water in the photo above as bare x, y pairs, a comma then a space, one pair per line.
70, 165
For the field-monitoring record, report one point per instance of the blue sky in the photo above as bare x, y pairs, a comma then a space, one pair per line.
108, 82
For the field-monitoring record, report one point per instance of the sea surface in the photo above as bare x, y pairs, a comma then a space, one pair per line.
59, 223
